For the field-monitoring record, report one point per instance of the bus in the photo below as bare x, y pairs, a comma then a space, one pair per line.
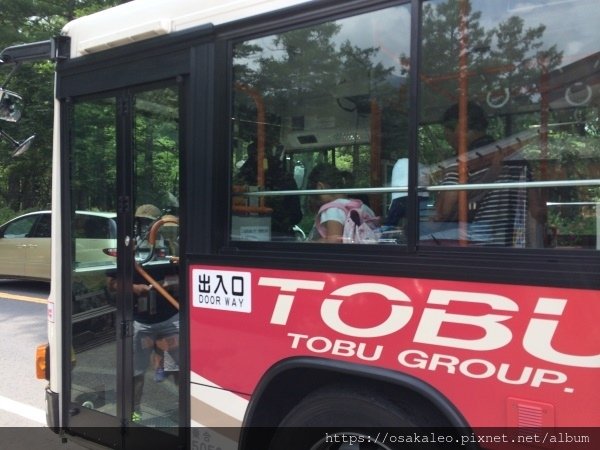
244, 307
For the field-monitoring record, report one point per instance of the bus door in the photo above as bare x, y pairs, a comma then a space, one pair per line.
123, 378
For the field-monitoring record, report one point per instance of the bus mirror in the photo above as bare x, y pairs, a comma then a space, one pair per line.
11, 106
23, 146
19, 147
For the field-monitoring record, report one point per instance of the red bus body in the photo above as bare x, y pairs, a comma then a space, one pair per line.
515, 347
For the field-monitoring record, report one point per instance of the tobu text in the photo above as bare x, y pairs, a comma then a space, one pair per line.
433, 325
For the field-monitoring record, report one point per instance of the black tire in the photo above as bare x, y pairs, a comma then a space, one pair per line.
341, 418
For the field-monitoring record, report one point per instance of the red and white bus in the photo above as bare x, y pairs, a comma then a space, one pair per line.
470, 128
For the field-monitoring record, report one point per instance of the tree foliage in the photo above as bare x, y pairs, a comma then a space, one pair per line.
25, 181
507, 58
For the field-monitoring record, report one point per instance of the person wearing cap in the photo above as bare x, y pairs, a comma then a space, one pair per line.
144, 216
155, 319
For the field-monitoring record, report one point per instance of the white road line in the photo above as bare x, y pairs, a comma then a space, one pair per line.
23, 410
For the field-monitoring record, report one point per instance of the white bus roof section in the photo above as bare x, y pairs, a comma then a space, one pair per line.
143, 19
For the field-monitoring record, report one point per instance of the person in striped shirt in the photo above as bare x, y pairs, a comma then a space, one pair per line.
445, 220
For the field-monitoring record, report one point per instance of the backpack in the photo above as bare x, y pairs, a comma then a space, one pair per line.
360, 226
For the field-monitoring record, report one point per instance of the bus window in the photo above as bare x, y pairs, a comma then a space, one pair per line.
507, 108
333, 93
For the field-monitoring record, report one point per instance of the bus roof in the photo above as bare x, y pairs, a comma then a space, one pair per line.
143, 19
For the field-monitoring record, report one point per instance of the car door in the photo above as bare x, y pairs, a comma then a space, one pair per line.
95, 232
37, 252
14, 241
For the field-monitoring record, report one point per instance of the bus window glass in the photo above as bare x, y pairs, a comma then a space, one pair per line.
510, 107
329, 95
155, 311
93, 165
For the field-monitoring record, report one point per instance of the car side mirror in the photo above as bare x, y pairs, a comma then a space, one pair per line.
11, 106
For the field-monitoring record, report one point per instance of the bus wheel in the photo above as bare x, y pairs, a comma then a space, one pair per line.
337, 419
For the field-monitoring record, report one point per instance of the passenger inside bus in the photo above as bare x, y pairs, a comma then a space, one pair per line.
286, 209
494, 216
445, 220
333, 209
397, 212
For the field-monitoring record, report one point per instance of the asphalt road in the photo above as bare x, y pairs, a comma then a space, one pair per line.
22, 409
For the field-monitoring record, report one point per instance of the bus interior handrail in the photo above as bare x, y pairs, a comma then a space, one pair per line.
438, 188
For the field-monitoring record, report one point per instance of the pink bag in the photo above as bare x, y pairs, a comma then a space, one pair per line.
360, 226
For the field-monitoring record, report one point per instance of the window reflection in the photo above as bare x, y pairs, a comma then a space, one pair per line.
333, 94
523, 174
532, 80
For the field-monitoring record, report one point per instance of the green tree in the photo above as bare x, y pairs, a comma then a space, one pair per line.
25, 181
505, 58
310, 71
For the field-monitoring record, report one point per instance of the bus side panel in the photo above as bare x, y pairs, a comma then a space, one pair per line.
505, 345
218, 412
